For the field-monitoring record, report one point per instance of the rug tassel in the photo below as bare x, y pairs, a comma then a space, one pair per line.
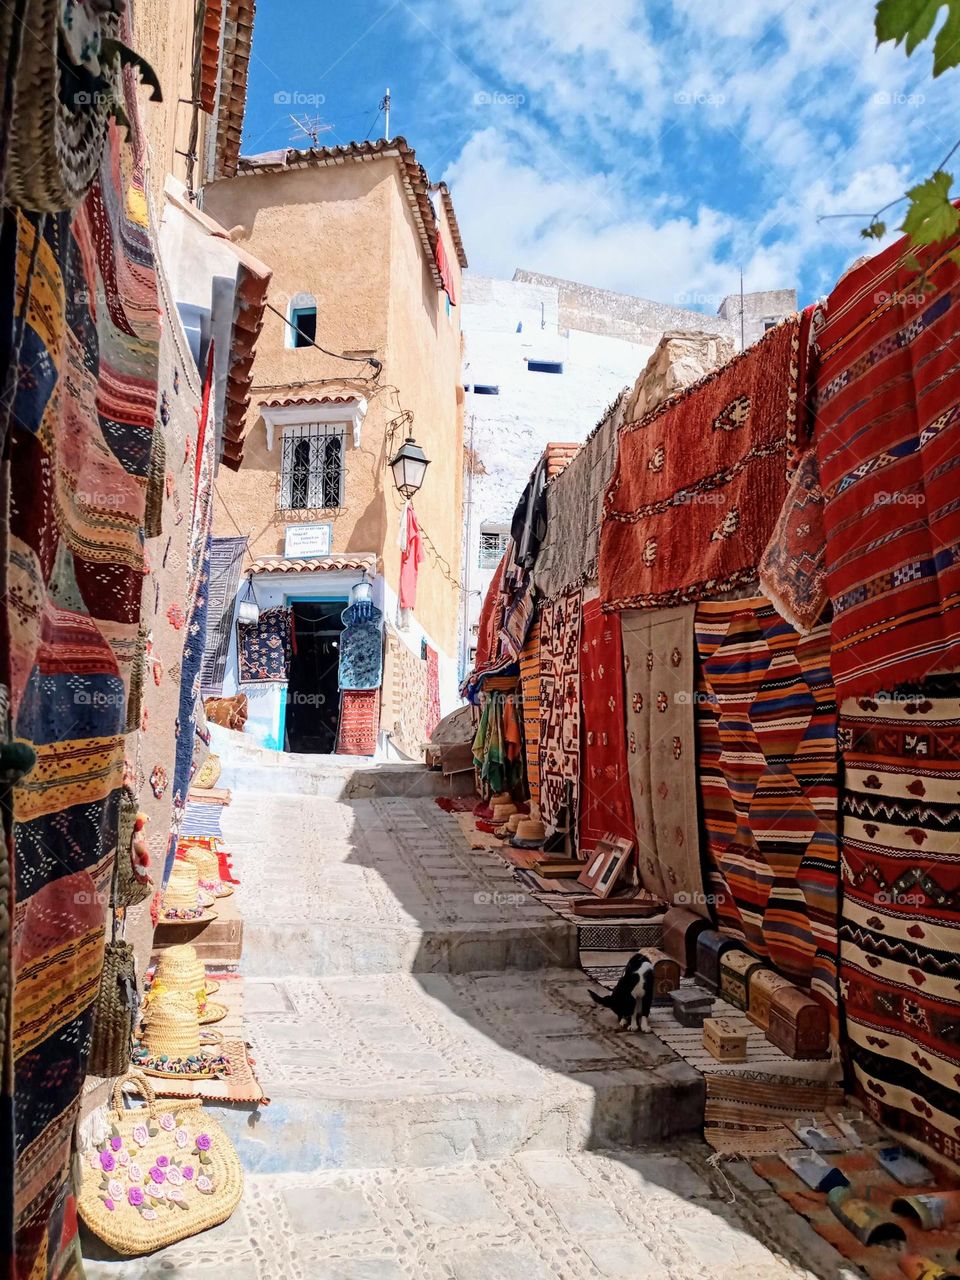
715, 1162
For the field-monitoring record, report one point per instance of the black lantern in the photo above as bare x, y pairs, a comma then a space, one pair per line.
409, 466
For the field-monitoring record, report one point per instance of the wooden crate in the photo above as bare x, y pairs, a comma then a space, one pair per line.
724, 1040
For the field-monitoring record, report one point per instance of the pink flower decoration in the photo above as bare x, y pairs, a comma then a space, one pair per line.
134, 1172
107, 1162
176, 1195
93, 1160
167, 1122
149, 1214
140, 1135
174, 1176
204, 1184
116, 1143
115, 1189
135, 1197
157, 1175
110, 1205
188, 1171
203, 1142
162, 1162
182, 1138
123, 1159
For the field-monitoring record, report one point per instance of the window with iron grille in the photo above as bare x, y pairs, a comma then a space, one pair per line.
311, 469
493, 543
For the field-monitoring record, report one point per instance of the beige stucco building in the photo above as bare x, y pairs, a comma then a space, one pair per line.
366, 260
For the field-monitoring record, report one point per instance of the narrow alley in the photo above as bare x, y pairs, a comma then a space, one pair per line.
445, 1101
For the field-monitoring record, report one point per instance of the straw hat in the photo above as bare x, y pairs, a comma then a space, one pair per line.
530, 833
501, 812
172, 1043
183, 898
181, 969
208, 864
514, 821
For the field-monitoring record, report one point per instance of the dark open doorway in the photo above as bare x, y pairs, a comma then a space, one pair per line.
313, 695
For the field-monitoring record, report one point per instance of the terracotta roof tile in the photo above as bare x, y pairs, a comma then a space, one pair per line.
357, 560
210, 54
238, 21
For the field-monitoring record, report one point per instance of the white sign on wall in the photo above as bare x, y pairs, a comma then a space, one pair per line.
304, 541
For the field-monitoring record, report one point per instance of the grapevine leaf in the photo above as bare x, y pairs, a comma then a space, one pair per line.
875, 231
910, 22
931, 217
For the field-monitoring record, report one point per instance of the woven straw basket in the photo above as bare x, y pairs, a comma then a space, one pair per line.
115, 1012
163, 1172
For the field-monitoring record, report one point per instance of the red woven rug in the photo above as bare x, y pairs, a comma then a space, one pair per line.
700, 481
887, 434
560, 706
606, 805
359, 722
767, 722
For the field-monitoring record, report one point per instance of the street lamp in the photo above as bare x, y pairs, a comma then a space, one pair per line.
409, 466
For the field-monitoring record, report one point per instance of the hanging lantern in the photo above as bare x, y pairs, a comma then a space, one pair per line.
361, 592
249, 610
409, 466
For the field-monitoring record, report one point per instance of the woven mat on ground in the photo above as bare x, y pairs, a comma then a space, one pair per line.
658, 662
606, 807
888, 442
767, 723
872, 1183
560, 706
900, 930
747, 1114
699, 482
762, 1056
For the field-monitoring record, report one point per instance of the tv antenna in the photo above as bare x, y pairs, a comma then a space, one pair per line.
309, 127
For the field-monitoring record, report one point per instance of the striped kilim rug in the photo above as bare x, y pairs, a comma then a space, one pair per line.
767, 724
226, 560
530, 702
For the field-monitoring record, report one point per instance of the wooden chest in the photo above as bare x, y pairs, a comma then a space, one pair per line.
711, 947
691, 1006
666, 974
735, 969
764, 984
681, 928
798, 1025
724, 1040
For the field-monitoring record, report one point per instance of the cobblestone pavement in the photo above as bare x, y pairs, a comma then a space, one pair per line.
446, 1104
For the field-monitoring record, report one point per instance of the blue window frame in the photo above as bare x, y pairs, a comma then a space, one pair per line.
304, 321
545, 366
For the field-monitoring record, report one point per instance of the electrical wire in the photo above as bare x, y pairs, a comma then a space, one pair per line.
372, 361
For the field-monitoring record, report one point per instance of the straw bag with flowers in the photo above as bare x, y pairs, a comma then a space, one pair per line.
163, 1172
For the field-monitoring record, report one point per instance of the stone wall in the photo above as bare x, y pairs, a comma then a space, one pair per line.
679, 360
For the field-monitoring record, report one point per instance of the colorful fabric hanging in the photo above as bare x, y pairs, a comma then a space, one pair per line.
530, 702
361, 648
887, 435
767, 726
411, 556
560, 707
406, 697
432, 659
700, 480
606, 807
658, 664
78, 454
900, 930
264, 647
226, 561
792, 569
359, 722
498, 744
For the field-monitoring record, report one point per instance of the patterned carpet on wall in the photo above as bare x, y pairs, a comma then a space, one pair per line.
226, 561
700, 481
793, 573
359, 722
767, 725
79, 451
606, 807
658, 654
900, 931
530, 705
560, 706
405, 697
887, 423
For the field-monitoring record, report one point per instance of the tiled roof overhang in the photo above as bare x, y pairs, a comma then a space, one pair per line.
359, 562
210, 54
232, 97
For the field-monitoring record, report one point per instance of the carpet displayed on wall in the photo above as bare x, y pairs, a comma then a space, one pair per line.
700, 481
78, 456
359, 722
568, 556
767, 727
793, 573
405, 697
264, 647
560, 707
658, 665
888, 444
530, 707
900, 930
432, 659
226, 561
361, 647
606, 807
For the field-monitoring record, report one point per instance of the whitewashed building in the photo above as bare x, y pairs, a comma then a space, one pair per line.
543, 358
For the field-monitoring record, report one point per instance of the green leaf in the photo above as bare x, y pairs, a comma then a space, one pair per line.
931, 217
875, 231
910, 22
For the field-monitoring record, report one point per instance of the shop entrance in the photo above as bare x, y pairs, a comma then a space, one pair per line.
313, 692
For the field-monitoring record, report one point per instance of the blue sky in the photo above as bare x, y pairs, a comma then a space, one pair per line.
654, 148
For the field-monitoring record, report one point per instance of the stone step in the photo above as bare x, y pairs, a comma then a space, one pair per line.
422, 1070
622, 1215
378, 886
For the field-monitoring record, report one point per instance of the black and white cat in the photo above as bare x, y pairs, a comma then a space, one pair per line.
622, 999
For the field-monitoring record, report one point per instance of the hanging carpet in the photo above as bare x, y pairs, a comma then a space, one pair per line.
405, 698
361, 648
226, 561
560, 706
530, 703
263, 647
605, 805
793, 569
359, 722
